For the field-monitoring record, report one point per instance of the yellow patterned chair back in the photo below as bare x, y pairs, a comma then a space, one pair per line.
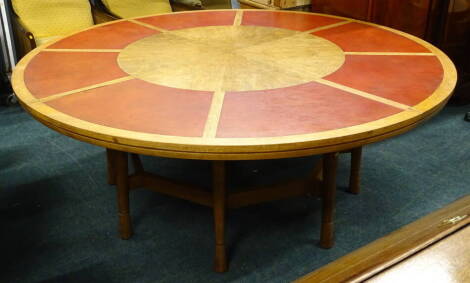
48, 19
137, 8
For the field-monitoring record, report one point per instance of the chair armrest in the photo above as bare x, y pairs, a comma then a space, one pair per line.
216, 4
177, 6
102, 16
24, 39
100, 9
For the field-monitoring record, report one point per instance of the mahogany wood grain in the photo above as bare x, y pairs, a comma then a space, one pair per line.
454, 39
406, 15
358, 9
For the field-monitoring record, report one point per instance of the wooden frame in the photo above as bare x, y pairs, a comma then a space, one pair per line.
320, 183
218, 198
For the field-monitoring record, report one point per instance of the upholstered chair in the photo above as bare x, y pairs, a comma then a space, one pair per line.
40, 21
122, 9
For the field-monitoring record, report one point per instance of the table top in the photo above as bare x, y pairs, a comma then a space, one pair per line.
234, 84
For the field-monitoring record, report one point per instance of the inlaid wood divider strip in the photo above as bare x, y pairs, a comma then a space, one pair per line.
327, 26
210, 130
62, 94
238, 18
391, 53
147, 25
82, 50
365, 95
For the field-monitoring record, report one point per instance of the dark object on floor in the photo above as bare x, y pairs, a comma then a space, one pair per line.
11, 99
6, 93
467, 117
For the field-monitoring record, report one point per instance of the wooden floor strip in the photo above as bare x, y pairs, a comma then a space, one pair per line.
365, 94
62, 94
212, 123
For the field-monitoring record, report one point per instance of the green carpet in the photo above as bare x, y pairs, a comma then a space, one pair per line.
59, 222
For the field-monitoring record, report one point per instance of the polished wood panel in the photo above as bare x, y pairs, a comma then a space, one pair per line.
386, 252
455, 41
357, 9
406, 15
445, 261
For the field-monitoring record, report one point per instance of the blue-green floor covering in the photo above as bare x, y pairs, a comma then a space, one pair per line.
58, 217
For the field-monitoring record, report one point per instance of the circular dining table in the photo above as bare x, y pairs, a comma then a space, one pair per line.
227, 85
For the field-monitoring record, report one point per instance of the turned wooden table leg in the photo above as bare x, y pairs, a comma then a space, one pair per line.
330, 161
355, 175
122, 180
137, 163
220, 197
111, 167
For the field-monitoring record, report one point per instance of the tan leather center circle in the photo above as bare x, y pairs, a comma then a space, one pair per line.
231, 58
